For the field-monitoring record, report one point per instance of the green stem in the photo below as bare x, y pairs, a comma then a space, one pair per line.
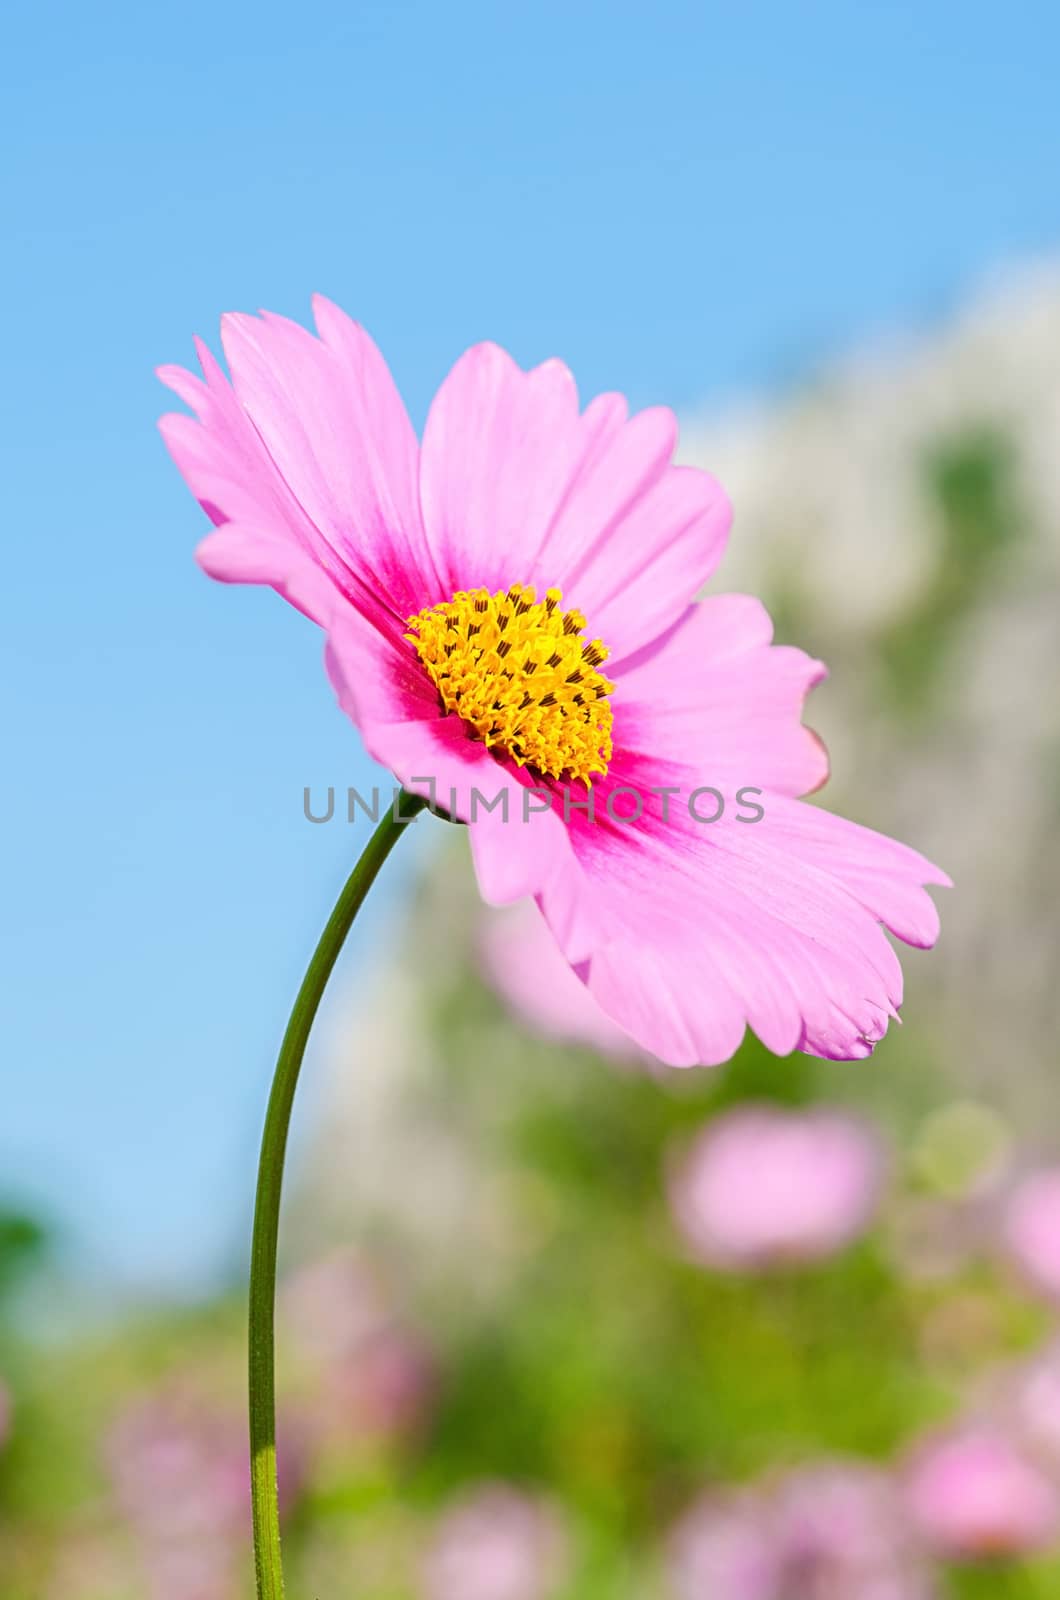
265, 1509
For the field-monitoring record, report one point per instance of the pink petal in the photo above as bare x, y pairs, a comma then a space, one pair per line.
717, 695
386, 452
310, 443
526, 967
234, 553
883, 874
384, 691
516, 486
700, 929
387, 695
227, 468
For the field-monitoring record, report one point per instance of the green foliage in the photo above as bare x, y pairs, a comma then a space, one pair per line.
605, 1369
971, 482
585, 1357
22, 1243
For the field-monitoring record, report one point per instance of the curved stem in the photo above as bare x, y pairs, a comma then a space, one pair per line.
264, 1504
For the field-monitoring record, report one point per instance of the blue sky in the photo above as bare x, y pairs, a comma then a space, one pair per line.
683, 203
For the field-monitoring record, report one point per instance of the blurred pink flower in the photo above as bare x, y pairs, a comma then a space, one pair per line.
332, 1305
495, 1544
179, 1467
181, 1477
831, 1531
526, 967
841, 1531
375, 1377
974, 1493
724, 1549
1037, 1405
387, 1388
761, 1187
471, 587
1032, 1229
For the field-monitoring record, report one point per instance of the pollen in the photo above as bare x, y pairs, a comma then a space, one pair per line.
522, 676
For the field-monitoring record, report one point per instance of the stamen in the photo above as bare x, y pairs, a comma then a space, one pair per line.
544, 704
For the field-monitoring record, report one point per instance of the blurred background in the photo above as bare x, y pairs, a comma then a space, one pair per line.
554, 1322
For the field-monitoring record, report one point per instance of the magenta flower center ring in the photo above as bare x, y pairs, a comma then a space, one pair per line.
523, 677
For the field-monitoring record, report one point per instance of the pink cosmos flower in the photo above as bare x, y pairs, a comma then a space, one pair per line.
526, 967
495, 1544
762, 1187
1036, 1403
386, 1389
974, 1493
472, 587
375, 1377
182, 1481
180, 1473
1032, 1230
332, 1307
825, 1532
840, 1527
179, 1469
724, 1549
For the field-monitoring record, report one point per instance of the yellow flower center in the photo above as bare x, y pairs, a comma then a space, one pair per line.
522, 675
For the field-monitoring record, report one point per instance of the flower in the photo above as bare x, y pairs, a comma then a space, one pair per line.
388, 1388
512, 625
179, 1468
1036, 1403
723, 1547
1032, 1229
974, 1493
762, 1187
526, 967
494, 1544
826, 1531
181, 1479
332, 1306
374, 1377
840, 1527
